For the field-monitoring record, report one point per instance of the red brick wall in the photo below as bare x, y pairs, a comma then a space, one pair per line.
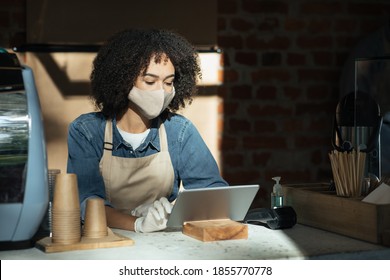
283, 60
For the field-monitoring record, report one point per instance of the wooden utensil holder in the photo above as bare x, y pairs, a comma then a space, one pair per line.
319, 207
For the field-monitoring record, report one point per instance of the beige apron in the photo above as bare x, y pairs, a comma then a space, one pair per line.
130, 182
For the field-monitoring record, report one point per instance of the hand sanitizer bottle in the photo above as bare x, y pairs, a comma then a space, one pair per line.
277, 194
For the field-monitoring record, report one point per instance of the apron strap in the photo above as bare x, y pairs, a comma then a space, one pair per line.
107, 155
108, 145
163, 137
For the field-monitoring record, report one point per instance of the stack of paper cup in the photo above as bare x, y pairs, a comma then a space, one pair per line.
95, 224
66, 226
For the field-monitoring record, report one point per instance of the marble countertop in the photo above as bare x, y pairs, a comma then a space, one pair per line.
299, 242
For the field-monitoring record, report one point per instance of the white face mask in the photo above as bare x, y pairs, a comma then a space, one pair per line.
151, 103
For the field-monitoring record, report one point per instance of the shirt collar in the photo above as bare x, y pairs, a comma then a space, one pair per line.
153, 139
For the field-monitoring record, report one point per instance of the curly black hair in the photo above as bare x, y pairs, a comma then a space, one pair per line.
127, 54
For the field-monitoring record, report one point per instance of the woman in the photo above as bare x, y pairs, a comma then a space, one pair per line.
135, 151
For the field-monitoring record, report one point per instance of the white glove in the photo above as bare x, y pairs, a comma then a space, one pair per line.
156, 218
142, 210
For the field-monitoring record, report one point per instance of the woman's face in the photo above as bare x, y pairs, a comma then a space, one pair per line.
157, 76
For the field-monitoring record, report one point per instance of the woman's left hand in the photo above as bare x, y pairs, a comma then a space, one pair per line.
156, 217
143, 209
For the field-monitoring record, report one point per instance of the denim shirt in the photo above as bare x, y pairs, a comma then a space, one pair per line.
192, 161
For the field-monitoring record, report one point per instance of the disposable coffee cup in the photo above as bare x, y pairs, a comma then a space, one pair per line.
66, 226
66, 196
95, 224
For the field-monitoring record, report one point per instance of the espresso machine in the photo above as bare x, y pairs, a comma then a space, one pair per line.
23, 160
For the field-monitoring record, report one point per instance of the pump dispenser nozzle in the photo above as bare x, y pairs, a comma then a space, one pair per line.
277, 194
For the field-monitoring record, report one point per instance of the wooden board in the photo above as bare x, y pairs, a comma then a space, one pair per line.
319, 207
111, 240
213, 230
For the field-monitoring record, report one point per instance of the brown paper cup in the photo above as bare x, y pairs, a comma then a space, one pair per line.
66, 226
95, 224
66, 196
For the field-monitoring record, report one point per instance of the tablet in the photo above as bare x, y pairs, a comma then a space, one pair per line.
228, 202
